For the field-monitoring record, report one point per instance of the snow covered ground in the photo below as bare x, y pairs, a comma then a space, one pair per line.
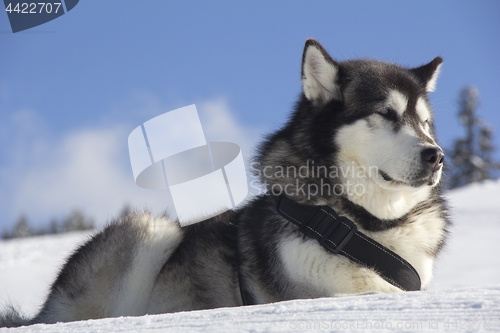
465, 295
469, 309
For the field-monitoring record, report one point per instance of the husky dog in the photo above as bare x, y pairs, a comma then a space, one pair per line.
358, 153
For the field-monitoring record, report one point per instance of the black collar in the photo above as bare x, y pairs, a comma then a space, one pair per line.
340, 235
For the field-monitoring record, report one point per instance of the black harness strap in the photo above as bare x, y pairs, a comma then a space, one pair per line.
339, 235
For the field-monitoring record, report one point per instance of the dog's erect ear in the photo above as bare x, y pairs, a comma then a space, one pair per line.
319, 74
428, 74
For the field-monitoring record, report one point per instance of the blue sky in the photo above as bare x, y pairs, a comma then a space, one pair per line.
71, 90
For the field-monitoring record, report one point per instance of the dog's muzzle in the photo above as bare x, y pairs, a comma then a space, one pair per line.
432, 160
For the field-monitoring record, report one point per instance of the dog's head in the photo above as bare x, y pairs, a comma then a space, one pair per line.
383, 121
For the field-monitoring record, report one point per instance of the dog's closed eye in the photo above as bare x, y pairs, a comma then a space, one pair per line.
425, 125
389, 114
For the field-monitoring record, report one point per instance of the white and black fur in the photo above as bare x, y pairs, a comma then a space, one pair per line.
352, 114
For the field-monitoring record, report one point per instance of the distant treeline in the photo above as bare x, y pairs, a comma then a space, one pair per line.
75, 221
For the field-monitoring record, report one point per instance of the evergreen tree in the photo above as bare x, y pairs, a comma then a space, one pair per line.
77, 221
22, 228
125, 212
472, 155
54, 227
6, 234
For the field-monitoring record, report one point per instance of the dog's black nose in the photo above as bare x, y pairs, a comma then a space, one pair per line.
434, 157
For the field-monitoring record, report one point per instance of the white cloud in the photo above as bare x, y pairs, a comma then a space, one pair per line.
219, 124
86, 169
89, 168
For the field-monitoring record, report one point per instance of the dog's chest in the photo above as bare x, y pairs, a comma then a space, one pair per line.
306, 262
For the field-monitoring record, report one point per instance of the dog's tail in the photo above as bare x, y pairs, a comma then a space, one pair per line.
10, 317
